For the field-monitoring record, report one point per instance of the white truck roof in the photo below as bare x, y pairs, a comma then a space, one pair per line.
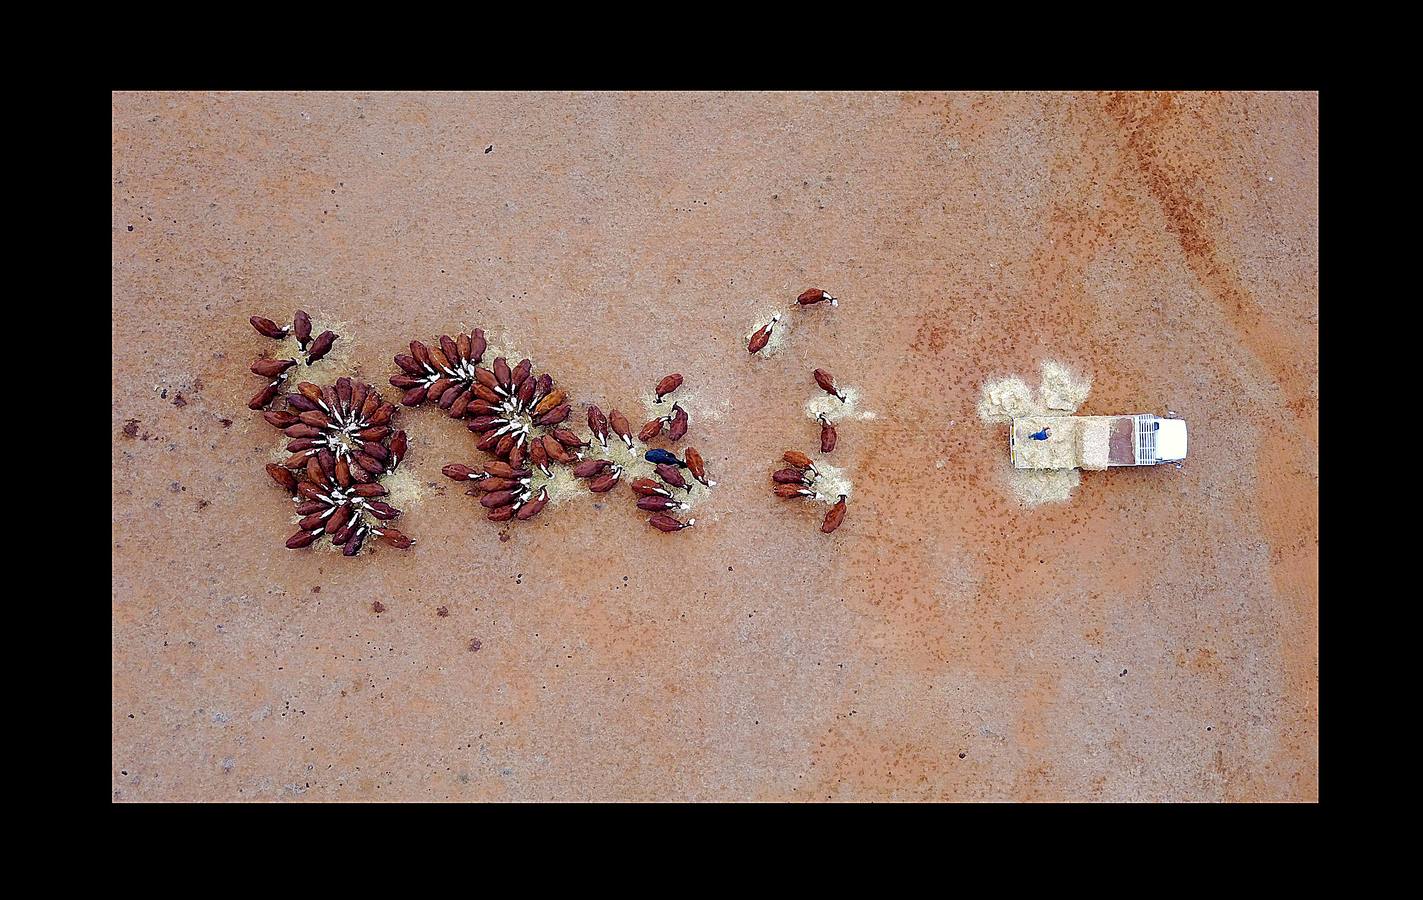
1170, 440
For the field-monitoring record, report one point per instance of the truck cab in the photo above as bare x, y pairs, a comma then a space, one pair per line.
1159, 440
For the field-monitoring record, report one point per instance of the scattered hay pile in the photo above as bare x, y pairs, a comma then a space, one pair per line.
1060, 392
1035, 486
1005, 400
831, 483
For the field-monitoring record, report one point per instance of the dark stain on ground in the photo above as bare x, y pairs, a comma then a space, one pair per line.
131, 429
1165, 139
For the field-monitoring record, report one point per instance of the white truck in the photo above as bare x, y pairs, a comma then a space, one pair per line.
1096, 442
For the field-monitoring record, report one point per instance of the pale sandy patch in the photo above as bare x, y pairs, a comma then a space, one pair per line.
1005, 399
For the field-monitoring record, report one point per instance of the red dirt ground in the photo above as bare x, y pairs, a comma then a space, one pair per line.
1157, 638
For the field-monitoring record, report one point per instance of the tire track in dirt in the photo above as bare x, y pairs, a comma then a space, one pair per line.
1163, 133
1166, 142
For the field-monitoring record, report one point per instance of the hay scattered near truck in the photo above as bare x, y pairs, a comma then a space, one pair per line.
1005, 399
1060, 392
1033, 487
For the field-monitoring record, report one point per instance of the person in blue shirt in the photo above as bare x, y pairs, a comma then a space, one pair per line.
1040, 435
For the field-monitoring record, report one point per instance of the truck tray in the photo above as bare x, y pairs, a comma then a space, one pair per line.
1074, 442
